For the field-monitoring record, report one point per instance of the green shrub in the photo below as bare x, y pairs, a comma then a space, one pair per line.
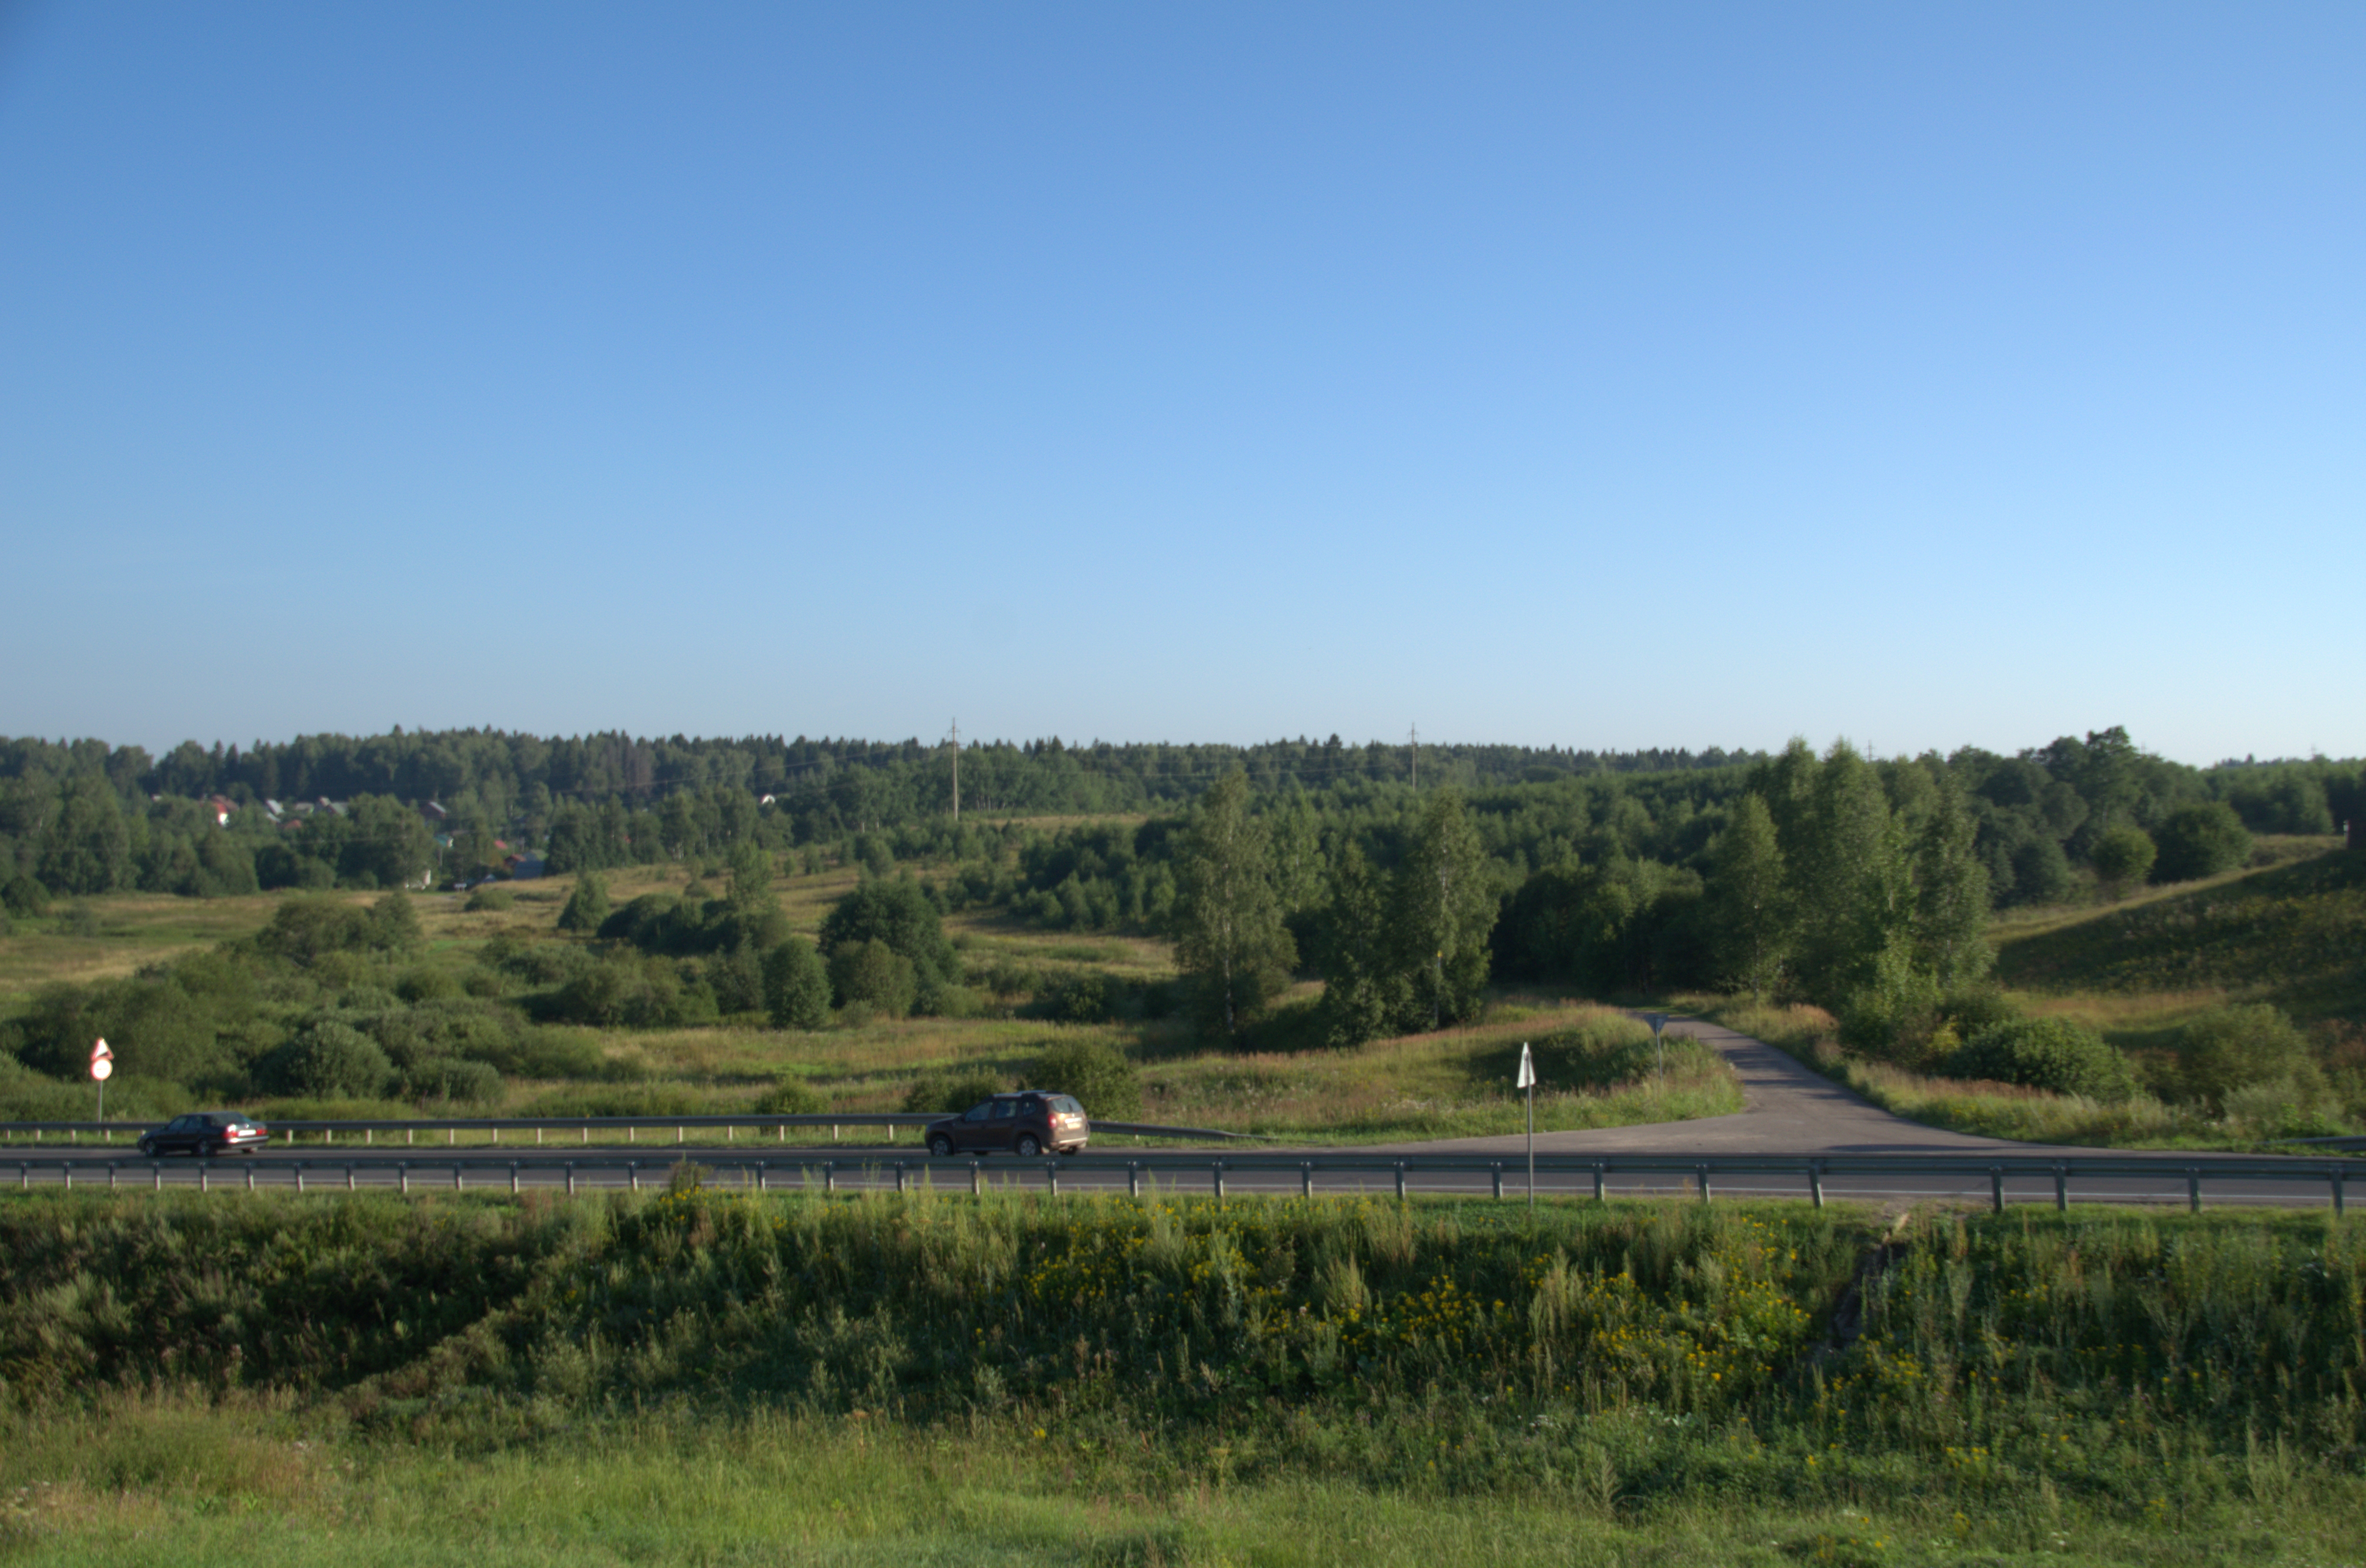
488, 898
790, 1097
453, 1080
587, 906
424, 984
327, 1060
2231, 1049
2122, 857
2046, 1053
2200, 841
1095, 1072
873, 975
796, 987
954, 1091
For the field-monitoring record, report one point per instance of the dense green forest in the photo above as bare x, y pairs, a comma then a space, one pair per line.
82, 817
1863, 884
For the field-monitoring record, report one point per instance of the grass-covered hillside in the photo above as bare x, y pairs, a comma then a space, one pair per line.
2224, 1013
700, 1378
2292, 935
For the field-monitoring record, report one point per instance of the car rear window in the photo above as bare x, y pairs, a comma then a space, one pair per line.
1066, 1105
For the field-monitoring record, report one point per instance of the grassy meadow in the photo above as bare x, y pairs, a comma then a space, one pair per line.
695, 1377
1595, 1064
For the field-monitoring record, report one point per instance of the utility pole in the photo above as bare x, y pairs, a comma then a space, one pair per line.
957, 773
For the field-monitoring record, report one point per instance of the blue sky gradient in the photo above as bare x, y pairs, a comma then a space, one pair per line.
1603, 375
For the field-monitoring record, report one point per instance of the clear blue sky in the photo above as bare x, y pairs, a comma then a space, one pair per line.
1607, 375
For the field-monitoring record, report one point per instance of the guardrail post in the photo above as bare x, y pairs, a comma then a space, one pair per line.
407, 1135
456, 1176
156, 1172
299, 1175
402, 1173
113, 1168
1996, 1189
1133, 1178
633, 1168
1306, 1178
1815, 1182
570, 1178
205, 1175
2194, 1188
65, 1175
250, 1178
349, 1175
1052, 1176
513, 1178
2061, 1190
1216, 1168
976, 1178
829, 1175
1702, 1172
1599, 1171
2340, 1179
899, 1176
763, 1175
1498, 1178
680, 1137
452, 1136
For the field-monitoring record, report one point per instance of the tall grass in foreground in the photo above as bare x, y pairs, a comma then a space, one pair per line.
693, 1377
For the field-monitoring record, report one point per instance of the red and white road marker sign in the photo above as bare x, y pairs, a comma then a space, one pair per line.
102, 1061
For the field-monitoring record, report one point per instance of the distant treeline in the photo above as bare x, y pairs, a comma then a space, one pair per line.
81, 817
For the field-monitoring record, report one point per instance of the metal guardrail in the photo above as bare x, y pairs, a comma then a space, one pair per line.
367, 1130
759, 1172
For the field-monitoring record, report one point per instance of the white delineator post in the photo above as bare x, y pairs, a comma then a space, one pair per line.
102, 1067
1528, 1081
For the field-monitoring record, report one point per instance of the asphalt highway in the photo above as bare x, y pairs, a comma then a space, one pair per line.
1791, 1115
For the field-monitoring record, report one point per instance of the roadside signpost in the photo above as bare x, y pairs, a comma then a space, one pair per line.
102, 1067
1659, 1020
1528, 1081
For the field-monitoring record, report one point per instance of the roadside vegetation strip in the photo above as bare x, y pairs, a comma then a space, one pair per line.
2264, 1119
1650, 1369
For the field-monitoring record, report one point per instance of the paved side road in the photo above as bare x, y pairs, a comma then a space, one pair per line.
1786, 1109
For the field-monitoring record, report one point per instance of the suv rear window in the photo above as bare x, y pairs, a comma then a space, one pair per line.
1063, 1103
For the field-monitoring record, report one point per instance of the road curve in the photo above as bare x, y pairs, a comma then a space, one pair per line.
1788, 1108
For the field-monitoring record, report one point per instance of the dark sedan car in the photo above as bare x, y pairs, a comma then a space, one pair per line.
206, 1134
1029, 1122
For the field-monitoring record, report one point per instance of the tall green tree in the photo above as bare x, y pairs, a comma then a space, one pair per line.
1229, 941
1750, 909
796, 986
1446, 909
1364, 996
1847, 875
587, 906
88, 848
1951, 890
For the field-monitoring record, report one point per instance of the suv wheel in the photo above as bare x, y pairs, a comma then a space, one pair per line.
942, 1147
1028, 1147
